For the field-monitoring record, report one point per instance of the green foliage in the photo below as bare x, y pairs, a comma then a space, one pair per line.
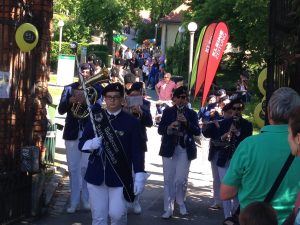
74, 28
99, 50
247, 22
161, 8
65, 50
103, 55
177, 64
93, 48
146, 31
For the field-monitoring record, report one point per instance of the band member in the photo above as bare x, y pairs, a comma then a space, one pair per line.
225, 137
178, 126
77, 161
105, 186
139, 108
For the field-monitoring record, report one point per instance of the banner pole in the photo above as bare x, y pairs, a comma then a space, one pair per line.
190, 59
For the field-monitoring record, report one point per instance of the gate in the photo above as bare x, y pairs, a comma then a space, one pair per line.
284, 39
23, 85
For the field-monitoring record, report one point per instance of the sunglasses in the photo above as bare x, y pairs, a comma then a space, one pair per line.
181, 96
166, 77
237, 108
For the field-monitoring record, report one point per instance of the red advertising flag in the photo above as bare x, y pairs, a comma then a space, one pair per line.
202, 64
218, 44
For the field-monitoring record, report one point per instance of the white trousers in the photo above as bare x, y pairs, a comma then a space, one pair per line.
216, 180
77, 165
107, 202
176, 171
229, 206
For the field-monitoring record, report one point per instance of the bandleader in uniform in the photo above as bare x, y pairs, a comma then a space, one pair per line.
104, 184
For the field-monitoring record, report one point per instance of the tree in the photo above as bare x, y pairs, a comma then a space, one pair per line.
74, 28
247, 22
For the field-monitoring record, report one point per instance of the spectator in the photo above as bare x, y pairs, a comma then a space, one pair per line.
162, 67
127, 57
258, 159
294, 142
165, 87
209, 112
178, 126
146, 70
243, 88
258, 213
152, 75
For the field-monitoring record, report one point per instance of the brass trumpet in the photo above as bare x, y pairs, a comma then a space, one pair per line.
79, 109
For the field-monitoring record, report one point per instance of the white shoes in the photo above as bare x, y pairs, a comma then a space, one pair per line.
215, 207
71, 209
167, 214
137, 209
84, 206
182, 210
134, 207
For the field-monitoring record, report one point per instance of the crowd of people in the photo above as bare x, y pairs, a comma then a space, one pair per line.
106, 152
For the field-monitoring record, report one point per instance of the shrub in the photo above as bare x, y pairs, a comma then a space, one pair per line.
94, 48
103, 55
99, 50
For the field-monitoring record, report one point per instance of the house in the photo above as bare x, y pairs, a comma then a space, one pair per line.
170, 25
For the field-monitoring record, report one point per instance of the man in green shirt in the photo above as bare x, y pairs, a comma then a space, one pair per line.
258, 160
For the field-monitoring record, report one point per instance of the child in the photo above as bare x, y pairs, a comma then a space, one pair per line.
258, 213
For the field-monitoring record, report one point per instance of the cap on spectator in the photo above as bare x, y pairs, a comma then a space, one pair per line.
182, 90
114, 87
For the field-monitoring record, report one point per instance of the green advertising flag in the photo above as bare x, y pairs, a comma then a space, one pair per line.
196, 57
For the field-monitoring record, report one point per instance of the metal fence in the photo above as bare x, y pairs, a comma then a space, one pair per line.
284, 40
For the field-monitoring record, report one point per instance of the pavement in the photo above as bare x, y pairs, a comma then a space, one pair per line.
198, 200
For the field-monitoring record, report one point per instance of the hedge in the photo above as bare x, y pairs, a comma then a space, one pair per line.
100, 51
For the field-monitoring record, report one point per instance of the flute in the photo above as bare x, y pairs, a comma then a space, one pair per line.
209, 122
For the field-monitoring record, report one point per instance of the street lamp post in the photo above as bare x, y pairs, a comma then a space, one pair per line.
156, 26
181, 31
192, 27
60, 25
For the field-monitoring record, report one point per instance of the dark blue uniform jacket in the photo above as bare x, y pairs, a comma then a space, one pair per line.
129, 132
215, 133
72, 124
167, 144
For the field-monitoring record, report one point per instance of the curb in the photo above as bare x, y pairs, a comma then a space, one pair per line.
52, 185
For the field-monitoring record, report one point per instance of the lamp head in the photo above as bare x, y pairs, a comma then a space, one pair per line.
74, 46
192, 27
61, 23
